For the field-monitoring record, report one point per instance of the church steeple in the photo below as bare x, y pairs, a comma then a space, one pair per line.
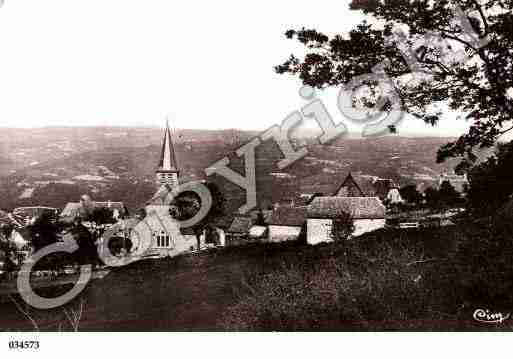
167, 172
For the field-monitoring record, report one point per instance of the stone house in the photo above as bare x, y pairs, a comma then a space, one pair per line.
239, 230
368, 214
285, 224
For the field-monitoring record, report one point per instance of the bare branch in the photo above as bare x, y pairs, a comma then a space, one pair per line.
25, 313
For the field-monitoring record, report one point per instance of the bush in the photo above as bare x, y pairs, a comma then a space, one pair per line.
379, 282
342, 227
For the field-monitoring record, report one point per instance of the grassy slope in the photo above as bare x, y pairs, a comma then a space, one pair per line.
385, 280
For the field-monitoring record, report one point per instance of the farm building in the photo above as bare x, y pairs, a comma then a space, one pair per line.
239, 230
80, 210
368, 214
22, 240
285, 224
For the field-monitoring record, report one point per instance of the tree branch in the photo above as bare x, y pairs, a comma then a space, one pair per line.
483, 17
25, 313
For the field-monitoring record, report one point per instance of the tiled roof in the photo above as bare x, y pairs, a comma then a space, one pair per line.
357, 207
363, 185
240, 225
288, 216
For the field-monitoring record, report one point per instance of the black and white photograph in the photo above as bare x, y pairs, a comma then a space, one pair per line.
317, 168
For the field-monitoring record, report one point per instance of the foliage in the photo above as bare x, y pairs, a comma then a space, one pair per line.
101, 215
43, 231
188, 203
490, 182
432, 197
342, 227
7, 252
410, 194
384, 280
448, 194
478, 84
87, 252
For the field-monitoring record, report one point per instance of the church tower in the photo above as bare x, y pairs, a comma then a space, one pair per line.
167, 172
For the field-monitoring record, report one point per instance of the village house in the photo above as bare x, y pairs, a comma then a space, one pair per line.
367, 213
26, 215
80, 210
239, 230
21, 239
394, 197
257, 232
386, 190
458, 182
285, 224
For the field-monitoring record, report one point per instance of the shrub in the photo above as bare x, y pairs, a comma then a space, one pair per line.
375, 283
342, 227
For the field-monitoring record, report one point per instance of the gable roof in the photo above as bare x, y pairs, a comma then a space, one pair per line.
349, 188
288, 216
357, 207
240, 225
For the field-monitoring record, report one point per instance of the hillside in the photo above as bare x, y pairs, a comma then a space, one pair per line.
54, 166
394, 280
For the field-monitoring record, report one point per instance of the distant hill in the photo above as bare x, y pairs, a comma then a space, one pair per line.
52, 166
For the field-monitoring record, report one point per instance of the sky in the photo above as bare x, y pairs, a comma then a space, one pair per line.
202, 64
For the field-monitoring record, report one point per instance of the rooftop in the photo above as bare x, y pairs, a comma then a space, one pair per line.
288, 216
357, 207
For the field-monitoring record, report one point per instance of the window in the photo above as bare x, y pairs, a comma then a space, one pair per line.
163, 239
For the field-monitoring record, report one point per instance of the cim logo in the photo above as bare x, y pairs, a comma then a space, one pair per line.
489, 317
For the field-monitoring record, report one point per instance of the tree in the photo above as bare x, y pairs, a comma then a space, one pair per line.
448, 194
188, 203
342, 227
490, 182
260, 218
101, 215
7, 253
43, 231
466, 63
87, 252
410, 194
432, 196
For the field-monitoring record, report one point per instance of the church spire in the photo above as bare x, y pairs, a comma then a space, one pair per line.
167, 155
167, 172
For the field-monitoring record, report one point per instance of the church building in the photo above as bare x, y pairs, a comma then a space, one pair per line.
158, 234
